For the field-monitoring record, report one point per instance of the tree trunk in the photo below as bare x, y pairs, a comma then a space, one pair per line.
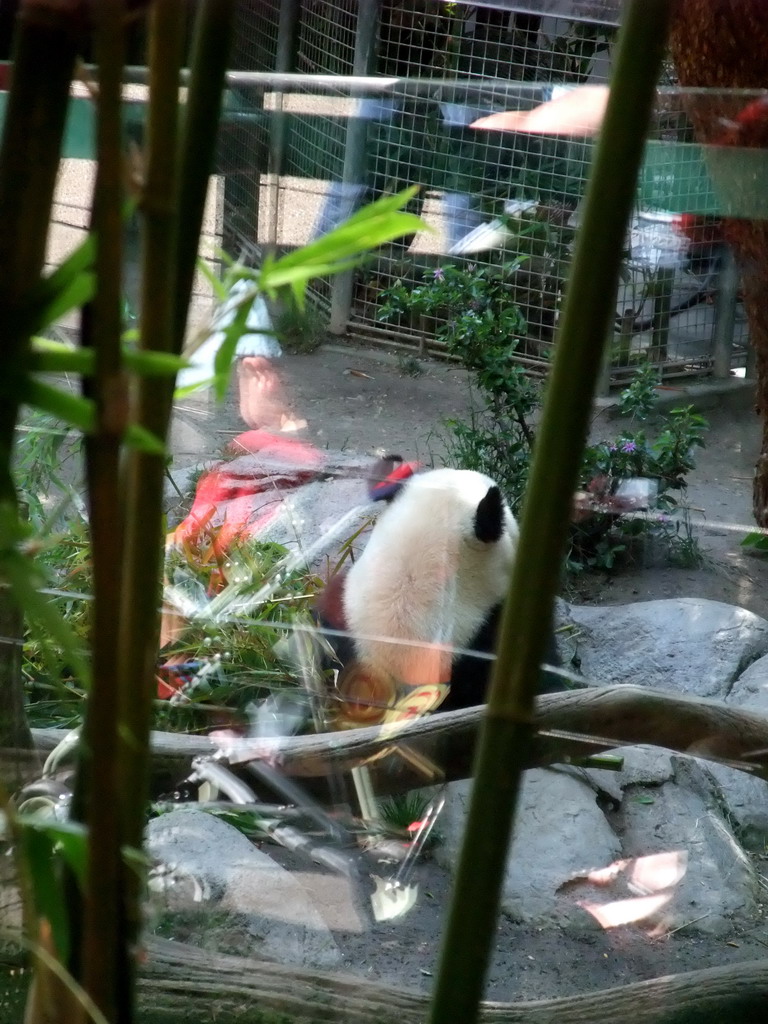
722, 44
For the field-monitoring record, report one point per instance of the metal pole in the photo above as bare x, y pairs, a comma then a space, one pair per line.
725, 314
285, 63
355, 151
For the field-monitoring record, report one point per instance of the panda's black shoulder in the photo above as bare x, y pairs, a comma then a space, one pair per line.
470, 675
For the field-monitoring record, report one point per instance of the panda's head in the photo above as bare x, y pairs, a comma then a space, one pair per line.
437, 563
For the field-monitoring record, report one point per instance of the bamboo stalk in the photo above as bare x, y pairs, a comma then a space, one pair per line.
173, 202
46, 38
137, 640
507, 730
211, 45
102, 958
45, 50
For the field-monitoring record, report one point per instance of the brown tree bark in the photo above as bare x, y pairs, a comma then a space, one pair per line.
722, 44
610, 716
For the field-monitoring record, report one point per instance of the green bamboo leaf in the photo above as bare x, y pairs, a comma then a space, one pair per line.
55, 357
75, 294
70, 838
281, 277
80, 259
350, 240
153, 364
756, 540
223, 257
70, 285
143, 440
225, 354
217, 287
190, 389
76, 410
385, 204
38, 850
376, 223
25, 581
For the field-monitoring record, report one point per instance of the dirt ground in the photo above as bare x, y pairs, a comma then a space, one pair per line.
538, 963
358, 400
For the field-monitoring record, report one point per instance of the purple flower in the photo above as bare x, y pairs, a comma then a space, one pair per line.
628, 447
438, 274
612, 448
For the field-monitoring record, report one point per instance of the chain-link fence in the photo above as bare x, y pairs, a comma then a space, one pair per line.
503, 205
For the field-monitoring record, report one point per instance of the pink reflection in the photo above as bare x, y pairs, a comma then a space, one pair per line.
239, 504
578, 112
261, 399
611, 915
652, 880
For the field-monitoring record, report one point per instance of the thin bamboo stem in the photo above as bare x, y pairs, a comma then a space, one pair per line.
210, 53
174, 199
104, 956
507, 729
46, 37
137, 641
45, 50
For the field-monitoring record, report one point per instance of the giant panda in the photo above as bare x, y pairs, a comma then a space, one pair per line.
432, 577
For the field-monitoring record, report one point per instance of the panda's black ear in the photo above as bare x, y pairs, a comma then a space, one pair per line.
489, 517
388, 476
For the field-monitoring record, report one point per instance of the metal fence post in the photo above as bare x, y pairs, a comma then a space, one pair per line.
285, 62
355, 151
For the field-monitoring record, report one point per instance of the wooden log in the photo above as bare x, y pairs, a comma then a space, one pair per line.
570, 724
180, 983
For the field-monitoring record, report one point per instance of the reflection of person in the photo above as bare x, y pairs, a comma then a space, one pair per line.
391, 118
261, 400
580, 111
570, 111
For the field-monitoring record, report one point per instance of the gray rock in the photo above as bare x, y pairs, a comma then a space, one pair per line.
219, 891
745, 799
644, 765
687, 645
750, 690
560, 831
682, 818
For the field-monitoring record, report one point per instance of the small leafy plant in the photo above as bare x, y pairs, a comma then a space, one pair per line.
622, 478
632, 473
477, 321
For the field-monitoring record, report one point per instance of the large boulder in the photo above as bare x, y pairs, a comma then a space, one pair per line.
750, 690
745, 800
659, 842
683, 819
688, 645
559, 832
216, 890
662, 854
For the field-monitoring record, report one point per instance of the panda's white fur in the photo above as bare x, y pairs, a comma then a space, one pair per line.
425, 577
